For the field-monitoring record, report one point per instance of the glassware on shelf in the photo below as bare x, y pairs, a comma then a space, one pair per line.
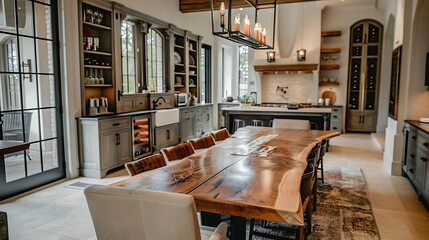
91, 78
95, 17
96, 43
89, 16
95, 76
100, 18
89, 43
100, 77
86, 79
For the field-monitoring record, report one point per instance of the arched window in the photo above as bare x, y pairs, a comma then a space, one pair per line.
129, 78
155, 55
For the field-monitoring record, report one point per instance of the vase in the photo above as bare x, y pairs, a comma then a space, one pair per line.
245, 105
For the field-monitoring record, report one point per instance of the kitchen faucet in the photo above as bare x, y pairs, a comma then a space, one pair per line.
155, 102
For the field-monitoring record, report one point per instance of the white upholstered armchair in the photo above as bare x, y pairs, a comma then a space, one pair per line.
126, 213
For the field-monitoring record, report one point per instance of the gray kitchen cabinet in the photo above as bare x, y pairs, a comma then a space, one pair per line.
187, 124
166, 136
357, 121
195, 121
221, 118
105, 144
207, 119
336, 123
416, 156
132, 102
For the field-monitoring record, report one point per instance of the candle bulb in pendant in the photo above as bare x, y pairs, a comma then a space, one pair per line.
246, 25
237, 22
222, 15
264, 36
256, 30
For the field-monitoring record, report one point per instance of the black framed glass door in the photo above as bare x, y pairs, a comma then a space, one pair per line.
30, 95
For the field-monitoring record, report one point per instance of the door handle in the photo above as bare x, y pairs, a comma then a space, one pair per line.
168, 134
411, 170
424, 159
118, 139
119, 95
413, 137
426, 144
115, 124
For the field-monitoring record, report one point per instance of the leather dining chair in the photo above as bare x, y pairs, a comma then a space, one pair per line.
306, 189
203, 142
177, 152
323, 150
313, 158
220, 135
291, 123
128, 213
145, 164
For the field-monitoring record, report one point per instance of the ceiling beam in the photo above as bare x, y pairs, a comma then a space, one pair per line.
187, 6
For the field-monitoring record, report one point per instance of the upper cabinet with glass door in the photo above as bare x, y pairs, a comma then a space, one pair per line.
96, 48
185, 61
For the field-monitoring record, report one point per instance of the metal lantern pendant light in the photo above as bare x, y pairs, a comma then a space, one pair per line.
248, 23
301, 53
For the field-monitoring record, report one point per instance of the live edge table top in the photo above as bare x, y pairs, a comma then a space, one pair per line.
264, 188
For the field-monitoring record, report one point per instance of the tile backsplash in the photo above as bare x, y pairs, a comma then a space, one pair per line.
300, 88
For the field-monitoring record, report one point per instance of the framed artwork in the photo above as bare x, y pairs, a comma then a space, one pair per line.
394, 82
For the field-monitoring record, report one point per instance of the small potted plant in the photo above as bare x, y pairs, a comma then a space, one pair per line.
245, 101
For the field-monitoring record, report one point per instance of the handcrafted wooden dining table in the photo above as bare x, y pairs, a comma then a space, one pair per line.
266, 188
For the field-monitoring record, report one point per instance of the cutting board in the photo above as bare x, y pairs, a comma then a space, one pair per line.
331, 95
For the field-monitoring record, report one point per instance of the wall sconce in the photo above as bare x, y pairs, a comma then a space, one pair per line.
300, 54
271, 56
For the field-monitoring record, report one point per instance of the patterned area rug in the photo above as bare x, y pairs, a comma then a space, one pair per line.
343, 209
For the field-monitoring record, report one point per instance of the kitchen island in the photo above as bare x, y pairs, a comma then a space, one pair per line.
319, 117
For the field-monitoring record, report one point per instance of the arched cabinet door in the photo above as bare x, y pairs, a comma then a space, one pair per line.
363, 77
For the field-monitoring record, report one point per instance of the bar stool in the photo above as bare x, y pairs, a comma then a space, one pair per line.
238, 123
256, 122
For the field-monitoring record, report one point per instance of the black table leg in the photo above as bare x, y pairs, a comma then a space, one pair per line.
238, 228
210, 219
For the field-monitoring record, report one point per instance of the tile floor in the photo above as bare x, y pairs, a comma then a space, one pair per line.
60, 212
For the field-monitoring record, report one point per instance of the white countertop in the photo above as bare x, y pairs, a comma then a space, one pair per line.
278, 109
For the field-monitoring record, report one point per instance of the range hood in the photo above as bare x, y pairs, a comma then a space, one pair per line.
286, 68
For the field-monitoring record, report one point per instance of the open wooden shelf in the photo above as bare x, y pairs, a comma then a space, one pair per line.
331, 33
328, 84
330, 50
329, 66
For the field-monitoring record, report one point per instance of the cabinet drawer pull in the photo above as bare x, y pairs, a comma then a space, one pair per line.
168, 134
335, 116
412, 155
116, 124
426, 144
335, 110
424, 159
118, 139
411, 170
413, 137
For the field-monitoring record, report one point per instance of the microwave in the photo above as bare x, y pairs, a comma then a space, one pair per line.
181, 99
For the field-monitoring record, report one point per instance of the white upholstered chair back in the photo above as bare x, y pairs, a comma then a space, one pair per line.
125, 213
291, 123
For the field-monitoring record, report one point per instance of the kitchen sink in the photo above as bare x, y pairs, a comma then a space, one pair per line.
166, 117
